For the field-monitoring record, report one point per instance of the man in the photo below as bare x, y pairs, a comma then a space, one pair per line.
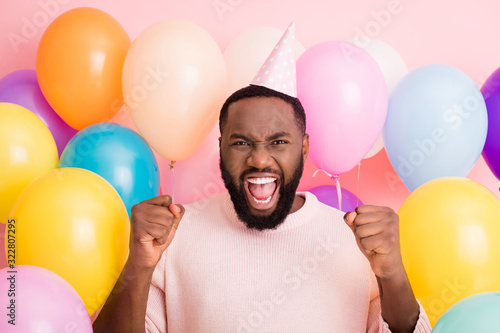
262, 258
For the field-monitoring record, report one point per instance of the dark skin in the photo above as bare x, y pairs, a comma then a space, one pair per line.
377, 233
260, 133
154, 223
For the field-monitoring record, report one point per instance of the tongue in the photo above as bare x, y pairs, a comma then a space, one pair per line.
262, 191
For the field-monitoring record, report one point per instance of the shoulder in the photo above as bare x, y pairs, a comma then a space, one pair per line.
315, 207
212, 202
328, 220
210, 211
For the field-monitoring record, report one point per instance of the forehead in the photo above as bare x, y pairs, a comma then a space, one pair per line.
261, 115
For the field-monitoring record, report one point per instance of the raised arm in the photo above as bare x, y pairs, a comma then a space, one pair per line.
154, 223
377, 233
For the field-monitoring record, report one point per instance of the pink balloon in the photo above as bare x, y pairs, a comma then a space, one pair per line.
196, 177
38, 300
344, 95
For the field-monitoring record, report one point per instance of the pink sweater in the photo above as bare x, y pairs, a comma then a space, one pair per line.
308, 275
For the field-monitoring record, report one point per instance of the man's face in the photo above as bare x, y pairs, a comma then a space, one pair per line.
262, 153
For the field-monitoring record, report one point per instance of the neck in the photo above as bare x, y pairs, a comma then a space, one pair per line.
298, 202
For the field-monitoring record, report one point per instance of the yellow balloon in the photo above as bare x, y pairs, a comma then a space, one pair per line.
450, 242
174, 84
27, 150
72, 222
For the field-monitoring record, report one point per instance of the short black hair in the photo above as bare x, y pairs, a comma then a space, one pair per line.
259, 91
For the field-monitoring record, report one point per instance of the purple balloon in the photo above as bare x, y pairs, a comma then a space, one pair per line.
21, 88
491, 150
327, 194
35, 299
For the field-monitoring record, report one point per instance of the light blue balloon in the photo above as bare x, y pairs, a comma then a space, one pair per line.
436, 125
119, 155
477, 313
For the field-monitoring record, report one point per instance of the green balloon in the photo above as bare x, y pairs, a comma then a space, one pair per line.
477, 313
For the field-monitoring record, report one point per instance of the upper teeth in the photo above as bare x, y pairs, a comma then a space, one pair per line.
264, 180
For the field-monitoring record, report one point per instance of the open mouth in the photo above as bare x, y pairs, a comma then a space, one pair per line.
261, 190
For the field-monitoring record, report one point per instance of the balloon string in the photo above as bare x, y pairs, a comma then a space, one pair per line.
357, 185
335, 178
173, 180
325, 172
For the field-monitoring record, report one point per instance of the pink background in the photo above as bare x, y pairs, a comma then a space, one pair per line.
461, 33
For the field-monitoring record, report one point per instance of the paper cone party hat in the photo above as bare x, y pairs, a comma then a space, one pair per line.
278, 71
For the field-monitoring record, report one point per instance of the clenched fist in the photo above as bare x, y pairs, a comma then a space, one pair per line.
154, 223
377, 233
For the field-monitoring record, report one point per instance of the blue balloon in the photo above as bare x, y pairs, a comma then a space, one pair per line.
436, 125
119, 155
476, 313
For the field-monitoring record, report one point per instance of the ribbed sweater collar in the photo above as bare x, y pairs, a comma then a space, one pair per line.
292, 221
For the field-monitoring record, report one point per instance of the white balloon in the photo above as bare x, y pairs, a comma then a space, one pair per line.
247, 53
393, 67
388, 59
376, 148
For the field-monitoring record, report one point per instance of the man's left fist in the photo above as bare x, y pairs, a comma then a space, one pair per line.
377, 233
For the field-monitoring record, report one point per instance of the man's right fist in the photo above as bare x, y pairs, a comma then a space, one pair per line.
154, 223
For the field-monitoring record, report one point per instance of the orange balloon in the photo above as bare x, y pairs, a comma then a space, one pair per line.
174, 82
79, 65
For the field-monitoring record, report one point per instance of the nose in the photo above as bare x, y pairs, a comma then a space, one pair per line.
260, 157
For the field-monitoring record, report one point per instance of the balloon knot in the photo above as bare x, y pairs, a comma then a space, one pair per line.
171, 164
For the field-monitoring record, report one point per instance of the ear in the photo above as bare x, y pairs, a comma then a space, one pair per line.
220, 140
305, 146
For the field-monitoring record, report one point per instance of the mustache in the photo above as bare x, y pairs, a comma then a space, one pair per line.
255, 170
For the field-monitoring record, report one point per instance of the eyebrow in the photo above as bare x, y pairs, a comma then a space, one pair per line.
278, 135
240, 136
269, 138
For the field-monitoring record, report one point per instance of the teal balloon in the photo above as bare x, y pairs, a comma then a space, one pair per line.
436, 125
477, 313
119, 155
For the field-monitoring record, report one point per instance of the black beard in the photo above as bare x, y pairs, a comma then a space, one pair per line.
285, 202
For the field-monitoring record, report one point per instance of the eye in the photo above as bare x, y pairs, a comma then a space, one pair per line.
279, 142
240, 143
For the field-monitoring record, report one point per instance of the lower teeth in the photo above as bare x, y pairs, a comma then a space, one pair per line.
263, 201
